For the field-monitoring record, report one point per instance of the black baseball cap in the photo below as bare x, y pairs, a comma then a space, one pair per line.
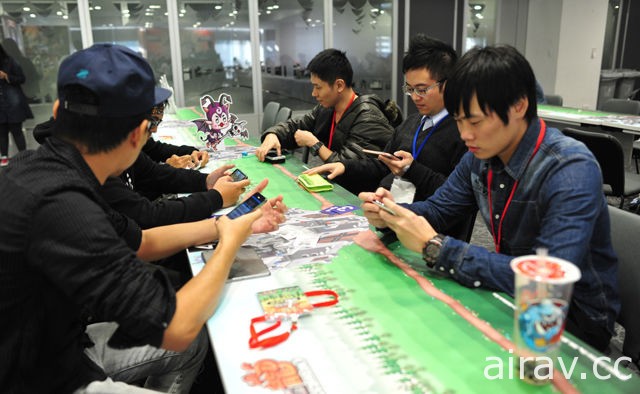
121, 78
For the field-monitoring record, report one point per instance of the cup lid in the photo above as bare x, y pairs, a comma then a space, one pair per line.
546, 269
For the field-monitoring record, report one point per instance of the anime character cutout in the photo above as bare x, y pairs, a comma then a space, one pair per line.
219, 122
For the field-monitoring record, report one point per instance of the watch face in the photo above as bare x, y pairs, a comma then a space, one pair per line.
431, 252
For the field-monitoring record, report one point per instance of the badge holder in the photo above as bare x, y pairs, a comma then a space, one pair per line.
284, 304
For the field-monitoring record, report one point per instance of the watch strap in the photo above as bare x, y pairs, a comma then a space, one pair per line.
316, 147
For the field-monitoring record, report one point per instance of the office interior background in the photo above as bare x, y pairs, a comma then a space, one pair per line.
258, 50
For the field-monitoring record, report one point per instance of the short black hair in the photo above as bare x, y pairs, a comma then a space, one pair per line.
332, 64
436, 56
96, 133
499, 76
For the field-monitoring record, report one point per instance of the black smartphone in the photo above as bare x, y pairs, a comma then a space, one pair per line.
273, 157
238, 175
247, 206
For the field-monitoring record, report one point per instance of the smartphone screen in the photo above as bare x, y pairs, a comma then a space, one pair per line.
238, 175
247, 206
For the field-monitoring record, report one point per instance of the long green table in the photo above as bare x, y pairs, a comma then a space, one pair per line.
386, 335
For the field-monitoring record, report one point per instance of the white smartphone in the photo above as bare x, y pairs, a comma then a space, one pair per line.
376, 153
384, 207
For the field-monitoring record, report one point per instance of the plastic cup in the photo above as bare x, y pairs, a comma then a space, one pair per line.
543, 287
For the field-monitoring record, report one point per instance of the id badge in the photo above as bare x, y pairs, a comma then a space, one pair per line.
402, 190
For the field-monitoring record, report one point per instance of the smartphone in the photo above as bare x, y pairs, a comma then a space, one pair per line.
238, 175
384, 207
376, 153
273, 157
247, 206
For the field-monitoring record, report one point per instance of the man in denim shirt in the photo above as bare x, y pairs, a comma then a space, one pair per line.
533, 186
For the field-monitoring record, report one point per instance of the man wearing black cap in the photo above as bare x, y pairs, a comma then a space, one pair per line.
64, 264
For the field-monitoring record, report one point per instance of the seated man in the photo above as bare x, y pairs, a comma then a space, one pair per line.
62, 260
534, 187
341, 124
427, 143
183, 156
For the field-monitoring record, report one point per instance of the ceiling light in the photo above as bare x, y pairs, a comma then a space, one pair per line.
98, 7
27, 9
477, 7
479, 16
155, 6
217, 7
32, 15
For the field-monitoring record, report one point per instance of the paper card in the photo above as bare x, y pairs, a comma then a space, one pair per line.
284, 303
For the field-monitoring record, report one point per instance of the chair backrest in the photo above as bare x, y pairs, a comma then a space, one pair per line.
284, 114
269, 115
553, 99
621, 106
608, 153
625, 230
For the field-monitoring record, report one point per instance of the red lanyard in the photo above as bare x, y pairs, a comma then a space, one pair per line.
256, 342
498, 238
333, 120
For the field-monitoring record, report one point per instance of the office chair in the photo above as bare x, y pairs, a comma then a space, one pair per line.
629, 107
621, 106
284, 114
553, 99
609, 154
625, 228
269, 115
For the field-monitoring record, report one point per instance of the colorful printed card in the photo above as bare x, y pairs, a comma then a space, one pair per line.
284, 303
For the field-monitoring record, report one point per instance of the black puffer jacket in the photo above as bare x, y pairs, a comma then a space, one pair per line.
363, 125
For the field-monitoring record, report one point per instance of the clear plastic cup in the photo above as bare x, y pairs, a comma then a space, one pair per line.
543, 287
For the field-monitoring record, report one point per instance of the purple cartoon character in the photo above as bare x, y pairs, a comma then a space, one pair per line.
218, 121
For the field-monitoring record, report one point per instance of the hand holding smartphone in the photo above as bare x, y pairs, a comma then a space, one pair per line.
377, 153
238, 175
384, 207
251, 203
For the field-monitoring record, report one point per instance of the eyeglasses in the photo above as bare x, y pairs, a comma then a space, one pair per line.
421, 92
152, 123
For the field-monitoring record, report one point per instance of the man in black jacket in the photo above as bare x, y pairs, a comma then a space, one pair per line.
426, 147
341, 124
183, 156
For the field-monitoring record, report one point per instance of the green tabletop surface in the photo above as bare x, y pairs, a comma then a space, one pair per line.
409, 335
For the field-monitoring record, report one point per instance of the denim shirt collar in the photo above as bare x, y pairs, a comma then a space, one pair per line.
517, 165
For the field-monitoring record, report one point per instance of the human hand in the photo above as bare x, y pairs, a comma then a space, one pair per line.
397, 166
221, 171
334, 169
271, 141
272, 215
230, 190
305, 138
413, 231
180, 161
201, 157
233, 232
372, 211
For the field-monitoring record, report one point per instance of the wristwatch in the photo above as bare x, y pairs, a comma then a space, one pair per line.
316, 147
432, 249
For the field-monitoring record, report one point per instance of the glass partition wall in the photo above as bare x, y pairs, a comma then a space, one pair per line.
215, 52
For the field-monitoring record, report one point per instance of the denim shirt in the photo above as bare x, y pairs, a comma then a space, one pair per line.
558, 205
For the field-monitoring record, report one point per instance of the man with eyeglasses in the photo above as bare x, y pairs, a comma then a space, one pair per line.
183, 156
426, 147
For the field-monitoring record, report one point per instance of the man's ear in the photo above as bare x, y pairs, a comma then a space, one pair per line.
520, 107
139, 134
56, 105
340, 84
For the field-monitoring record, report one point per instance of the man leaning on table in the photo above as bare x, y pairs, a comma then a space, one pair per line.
533, 186
63, 263
343, 122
